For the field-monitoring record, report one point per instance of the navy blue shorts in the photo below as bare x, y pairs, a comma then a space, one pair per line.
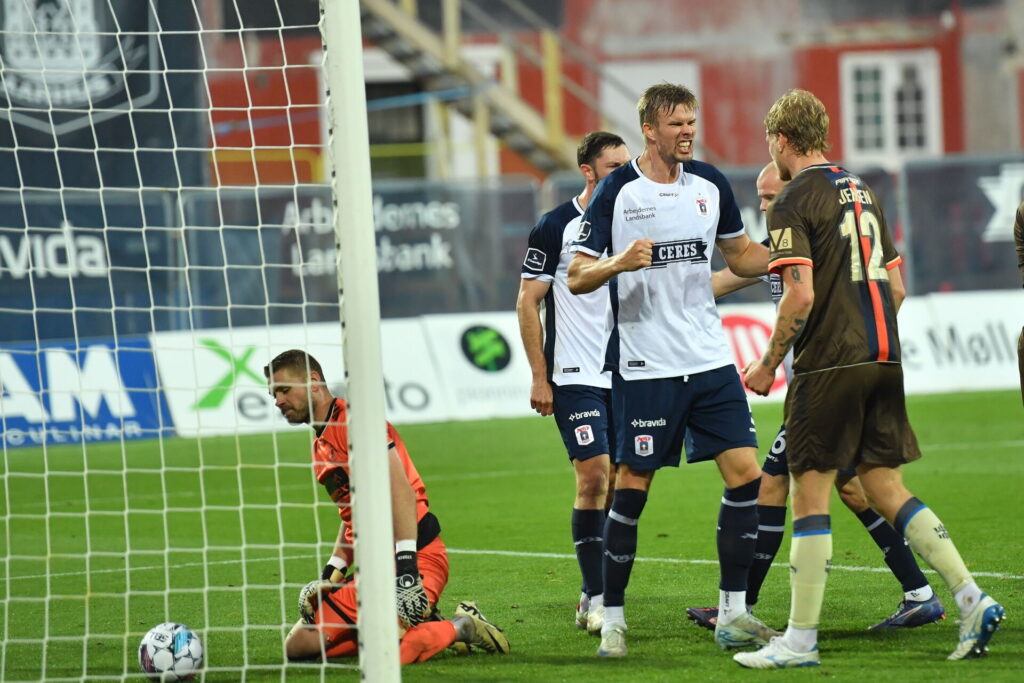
654, 418
582, 415
775, 463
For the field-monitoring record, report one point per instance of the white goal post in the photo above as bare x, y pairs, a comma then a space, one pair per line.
164, 191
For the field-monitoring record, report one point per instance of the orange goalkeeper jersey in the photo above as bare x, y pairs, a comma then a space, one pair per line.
331, 465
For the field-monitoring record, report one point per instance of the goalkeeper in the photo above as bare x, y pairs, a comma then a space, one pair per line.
329, 607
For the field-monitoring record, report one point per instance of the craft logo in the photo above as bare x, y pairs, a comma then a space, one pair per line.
643, 444
702, 206
486, 348
584, 232
61, 55
584, 435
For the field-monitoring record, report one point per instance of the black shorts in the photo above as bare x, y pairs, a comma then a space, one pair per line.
583, 416
849, 416
654, 418
776, 464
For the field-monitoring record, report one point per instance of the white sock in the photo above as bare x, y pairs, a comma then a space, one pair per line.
801, 639
731, 605
596, 601
920, 594
967, 598
614, 615
584, 603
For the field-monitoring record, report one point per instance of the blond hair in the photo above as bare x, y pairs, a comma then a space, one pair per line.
663, 97
801, 117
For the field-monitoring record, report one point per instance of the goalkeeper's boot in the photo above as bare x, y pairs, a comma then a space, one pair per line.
489, 637
777, 655
976, 629
705, 617
613, 641
742, 631
913, 613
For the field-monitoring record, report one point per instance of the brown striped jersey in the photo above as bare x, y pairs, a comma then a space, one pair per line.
829, 219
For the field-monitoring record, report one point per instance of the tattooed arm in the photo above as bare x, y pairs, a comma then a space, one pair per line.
795, 306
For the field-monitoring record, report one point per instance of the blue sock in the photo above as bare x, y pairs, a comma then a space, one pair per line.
620, 543
895, 550
771, 528
587, 535
737, 535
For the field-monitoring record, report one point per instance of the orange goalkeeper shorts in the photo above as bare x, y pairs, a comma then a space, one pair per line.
336, 615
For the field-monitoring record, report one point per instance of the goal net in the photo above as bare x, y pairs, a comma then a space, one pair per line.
166, 228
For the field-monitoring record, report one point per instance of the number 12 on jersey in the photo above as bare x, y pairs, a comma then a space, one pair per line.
864, 236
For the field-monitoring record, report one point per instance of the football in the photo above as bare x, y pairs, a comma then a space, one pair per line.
170, 652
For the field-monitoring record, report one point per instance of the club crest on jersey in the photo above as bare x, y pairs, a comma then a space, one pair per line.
584, 435
535, 259
584, 232
781, 239
643, 444
702, 206
664, 253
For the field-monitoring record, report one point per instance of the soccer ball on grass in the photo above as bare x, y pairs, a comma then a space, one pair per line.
170, 652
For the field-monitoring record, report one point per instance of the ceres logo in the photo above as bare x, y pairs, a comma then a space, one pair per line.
486, 348
748, 338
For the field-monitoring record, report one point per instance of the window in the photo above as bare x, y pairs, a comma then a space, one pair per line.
890, 106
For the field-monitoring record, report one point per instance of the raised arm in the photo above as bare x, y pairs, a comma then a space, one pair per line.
746, 258
725, 282
796, 304
587, 273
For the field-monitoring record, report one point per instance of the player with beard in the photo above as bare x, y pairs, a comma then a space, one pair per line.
329, 606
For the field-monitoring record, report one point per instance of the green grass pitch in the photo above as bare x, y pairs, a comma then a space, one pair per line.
101, 543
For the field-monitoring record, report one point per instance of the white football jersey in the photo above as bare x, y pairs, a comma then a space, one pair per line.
576, 328
665, 316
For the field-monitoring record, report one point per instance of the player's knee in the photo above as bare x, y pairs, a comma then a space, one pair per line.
738, 466
592, 487
774, 489
301, 644
852, 495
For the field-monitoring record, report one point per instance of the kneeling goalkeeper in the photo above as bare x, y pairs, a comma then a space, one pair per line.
328, 607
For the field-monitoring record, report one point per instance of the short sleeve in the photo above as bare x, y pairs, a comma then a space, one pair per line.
595, 235
542, 251
790, 244
730, 222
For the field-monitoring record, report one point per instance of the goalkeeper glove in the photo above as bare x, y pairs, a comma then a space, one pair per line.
309, 597
413, 606
334, 570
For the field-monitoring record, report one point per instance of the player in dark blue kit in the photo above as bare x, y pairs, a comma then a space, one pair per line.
567, 360
920, 605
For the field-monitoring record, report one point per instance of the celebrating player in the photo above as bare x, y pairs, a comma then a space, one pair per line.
919, 605
657, 217
567, 360
329, 607
845, 405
